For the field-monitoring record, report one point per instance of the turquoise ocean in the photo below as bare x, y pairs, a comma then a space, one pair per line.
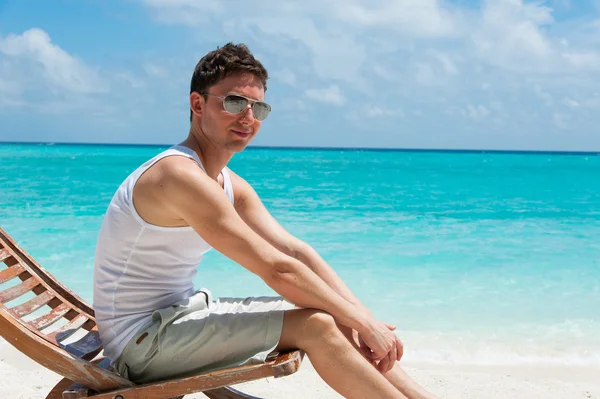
477, 257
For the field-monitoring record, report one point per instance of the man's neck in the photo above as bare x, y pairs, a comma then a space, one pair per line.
213, 158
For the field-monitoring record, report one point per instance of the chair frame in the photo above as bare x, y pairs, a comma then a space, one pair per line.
86, 373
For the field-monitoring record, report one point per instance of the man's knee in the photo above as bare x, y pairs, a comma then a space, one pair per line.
320, 324
318, 328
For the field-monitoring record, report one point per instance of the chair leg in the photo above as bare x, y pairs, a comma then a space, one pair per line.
64, 384
227, 393
56, 392
219, 393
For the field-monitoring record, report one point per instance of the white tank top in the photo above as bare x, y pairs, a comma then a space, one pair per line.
140, 267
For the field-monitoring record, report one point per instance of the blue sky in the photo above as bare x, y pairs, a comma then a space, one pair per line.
496, 74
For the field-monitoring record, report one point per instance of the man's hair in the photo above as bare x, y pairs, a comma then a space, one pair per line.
222, 62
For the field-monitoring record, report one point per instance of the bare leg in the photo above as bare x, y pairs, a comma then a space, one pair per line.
340, 365
396, 376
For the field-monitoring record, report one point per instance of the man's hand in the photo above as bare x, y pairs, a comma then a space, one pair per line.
384, 336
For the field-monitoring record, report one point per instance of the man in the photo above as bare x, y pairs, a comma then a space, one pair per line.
185, 201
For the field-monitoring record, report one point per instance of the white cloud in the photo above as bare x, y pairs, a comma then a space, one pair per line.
448, 65
543, 95
583, 59
7, 102
434, 68
329, 95
593, 102
385, 72
389, 58
416, 18
155, 70
335, 54
562, 4
561, 120
343, 35
513, 34
350, 40
286, 76
186, 4
374, 112
8, 86
46, 61
424, 73
189, 12
337, 50
570, 102
475, 112
131, 80
509, 34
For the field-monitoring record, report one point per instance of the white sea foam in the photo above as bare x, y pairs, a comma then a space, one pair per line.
564, 349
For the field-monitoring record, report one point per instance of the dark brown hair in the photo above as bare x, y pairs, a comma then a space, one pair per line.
218, 64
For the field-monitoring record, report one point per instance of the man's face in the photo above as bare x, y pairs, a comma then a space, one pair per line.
224, 129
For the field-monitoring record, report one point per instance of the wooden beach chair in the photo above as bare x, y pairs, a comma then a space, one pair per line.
56, 328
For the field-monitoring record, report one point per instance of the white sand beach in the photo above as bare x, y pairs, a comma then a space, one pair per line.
24, 379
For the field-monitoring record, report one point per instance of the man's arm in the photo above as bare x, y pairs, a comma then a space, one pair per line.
254, 213
186, 192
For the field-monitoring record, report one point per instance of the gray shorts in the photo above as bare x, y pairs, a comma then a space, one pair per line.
199, 335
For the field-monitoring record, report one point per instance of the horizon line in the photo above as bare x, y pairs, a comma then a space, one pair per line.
312, 148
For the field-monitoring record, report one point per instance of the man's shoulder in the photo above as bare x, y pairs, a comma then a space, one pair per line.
169, 189
241, 188
167, 176
236, 180
171, 167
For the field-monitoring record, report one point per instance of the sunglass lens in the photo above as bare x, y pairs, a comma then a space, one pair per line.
235, 104
261, 110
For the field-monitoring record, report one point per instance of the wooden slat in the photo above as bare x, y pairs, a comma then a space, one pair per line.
48, 319
219, 380
68, 329
18, 290
62, 292
34, 343
55, 359
10, 273
76, 390
4, 254
33, 304
288, 363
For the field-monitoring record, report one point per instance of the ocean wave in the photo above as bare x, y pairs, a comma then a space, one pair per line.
499, 357
468, 349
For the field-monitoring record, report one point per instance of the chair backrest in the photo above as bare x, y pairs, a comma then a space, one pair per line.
49, 323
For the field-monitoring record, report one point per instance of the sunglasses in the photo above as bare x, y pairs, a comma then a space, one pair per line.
234, 104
